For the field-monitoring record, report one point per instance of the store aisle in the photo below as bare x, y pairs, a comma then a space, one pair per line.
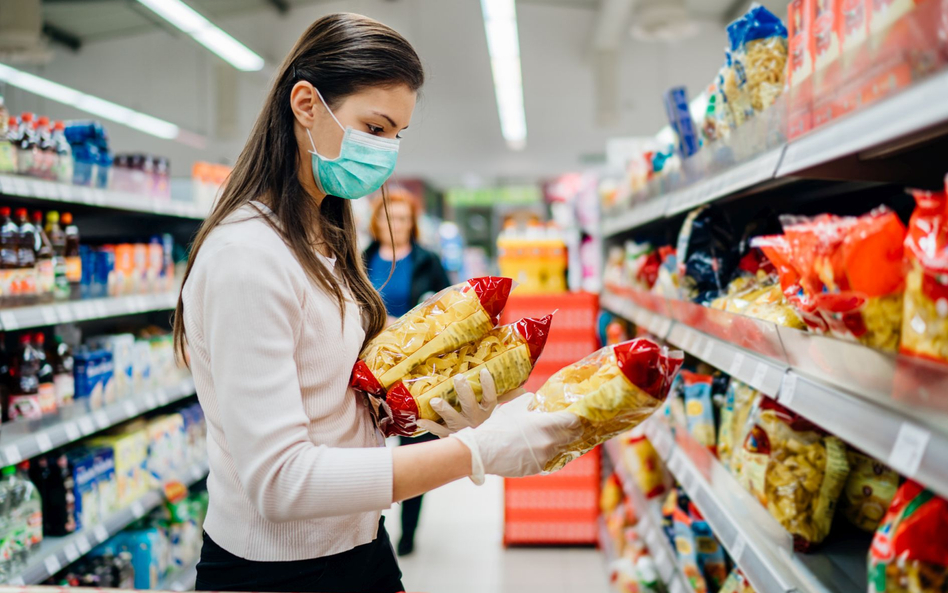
459, 549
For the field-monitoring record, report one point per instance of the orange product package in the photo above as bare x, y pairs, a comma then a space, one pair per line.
925, 317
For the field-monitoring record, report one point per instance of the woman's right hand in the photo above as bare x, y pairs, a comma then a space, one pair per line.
516, 442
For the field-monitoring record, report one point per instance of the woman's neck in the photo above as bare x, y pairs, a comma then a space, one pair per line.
389, 254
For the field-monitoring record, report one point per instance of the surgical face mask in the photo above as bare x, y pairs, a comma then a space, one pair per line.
364, 163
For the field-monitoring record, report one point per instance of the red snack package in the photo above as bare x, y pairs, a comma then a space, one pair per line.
925, 318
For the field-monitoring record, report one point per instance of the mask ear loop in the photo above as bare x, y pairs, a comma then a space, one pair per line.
333, 115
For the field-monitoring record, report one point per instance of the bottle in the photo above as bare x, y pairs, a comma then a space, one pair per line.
32, 506
24, 387
60, 357
47, 384
45, 151
9, 503
7, 149
62, 167
57, 237
9, 246
45, 268
5, 379
71, 253
26, 146
59, 504
26, 258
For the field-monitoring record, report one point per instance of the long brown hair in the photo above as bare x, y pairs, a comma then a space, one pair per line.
340, 54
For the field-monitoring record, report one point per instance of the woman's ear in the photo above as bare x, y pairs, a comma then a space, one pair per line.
303, 101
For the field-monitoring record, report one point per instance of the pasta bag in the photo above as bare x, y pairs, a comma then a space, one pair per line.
509, 352
612, 390
442, 323
925, 316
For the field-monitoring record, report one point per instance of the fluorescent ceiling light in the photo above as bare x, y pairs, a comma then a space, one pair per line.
503, 45
88, 103
206, 33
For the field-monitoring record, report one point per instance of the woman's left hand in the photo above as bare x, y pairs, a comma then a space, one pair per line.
473, 413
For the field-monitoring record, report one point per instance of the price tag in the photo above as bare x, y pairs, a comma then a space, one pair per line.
909, 449
708, 349
101, 533
70, 552
150, 402
102, 420
688, 479
737, 550
8, 320
20, 187
131, 410
101, 310
11, 453
43, 442
52, 565
6, 184
760, 373
82, 544
789, 389
49, 316
72, 432
86, 426
64, 312
137, 509
665, 327
162, 396
736, 363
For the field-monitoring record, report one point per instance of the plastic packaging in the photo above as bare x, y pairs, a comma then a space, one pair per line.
706, 259
645, 465
508, 352
442, 323
612, 390
868, 492
699, 408
925, 316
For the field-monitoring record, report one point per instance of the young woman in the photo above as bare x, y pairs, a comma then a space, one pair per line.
274, 311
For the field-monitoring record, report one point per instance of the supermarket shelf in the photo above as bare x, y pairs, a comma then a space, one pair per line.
843, 387
55, 553
28, 438
51, 191
16, 318
634, 216
183, 579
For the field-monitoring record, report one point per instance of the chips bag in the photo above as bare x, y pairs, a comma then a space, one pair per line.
734, 413
909, 552
508, 352
795, 470
612, 390
711, 559
442, 323
699, 408
687, 551
736, 582
869, 489
925, 317
643, 461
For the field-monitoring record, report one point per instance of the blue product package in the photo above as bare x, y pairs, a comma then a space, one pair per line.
104, 266
87, 257
711, 559
84, 370
106, 480
676, 107
85, 487
145, 548
104, 170
107, 376
699, 408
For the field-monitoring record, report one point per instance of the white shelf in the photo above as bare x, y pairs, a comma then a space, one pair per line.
183, 579
56, 553
51, 191
17, 318
24, 439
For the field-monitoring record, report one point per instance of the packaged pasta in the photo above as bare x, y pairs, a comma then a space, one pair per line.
795, 470
645, 465
909, 552
508, 352
611, 390
764, 53
699, 408
925, 316
869, 489
737, 404
442, 323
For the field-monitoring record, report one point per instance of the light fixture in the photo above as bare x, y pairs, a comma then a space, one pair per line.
503, 45
89, 103
206, 33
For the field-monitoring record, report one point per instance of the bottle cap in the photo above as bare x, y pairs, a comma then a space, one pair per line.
39, 338
52, 216
21, 212
26, 116
25, 338
8, 470
4, 211
66, 218
42, 121
37, 216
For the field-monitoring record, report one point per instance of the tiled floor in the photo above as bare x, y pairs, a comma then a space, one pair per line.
459, 549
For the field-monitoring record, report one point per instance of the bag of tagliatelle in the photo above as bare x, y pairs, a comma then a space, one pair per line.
612, 390
443, 322
508, 352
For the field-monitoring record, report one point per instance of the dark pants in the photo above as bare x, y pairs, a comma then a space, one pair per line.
369, 568
411, 508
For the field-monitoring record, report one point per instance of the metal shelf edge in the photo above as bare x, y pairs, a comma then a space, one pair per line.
18, 318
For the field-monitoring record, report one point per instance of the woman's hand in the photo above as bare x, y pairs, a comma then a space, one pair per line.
473, 413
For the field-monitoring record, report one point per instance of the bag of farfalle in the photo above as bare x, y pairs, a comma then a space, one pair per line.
443, 322
925, 318
508, 352
612, 390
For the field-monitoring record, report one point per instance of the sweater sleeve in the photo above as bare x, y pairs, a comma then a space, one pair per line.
251, 315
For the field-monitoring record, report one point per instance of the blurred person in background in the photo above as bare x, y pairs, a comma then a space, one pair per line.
417, 274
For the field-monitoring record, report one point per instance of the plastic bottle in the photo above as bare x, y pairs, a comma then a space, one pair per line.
9, 246
45, 150
24, 384
7, 149
71, 253
5, 379
26, 147
16, 541
59, 501
62, 167
7, 526
26, 258
32, 506
57, 237
45, 268
60, 357
47, 383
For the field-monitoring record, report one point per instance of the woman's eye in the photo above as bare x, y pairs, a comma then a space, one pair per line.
375, 129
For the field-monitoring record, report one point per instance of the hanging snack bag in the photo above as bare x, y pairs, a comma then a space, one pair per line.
508, 352
442, 323
795, 470
925, 316
612, 390
763, 50
699, 409
706, 259
909, 552
869, 489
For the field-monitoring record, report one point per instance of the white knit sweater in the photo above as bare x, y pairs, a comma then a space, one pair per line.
297, 467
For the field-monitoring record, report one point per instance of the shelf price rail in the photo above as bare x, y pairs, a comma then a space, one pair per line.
18, 318
56, 553
891, 407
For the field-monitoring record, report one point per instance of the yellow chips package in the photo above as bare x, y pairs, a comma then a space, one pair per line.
612, 390
869, 490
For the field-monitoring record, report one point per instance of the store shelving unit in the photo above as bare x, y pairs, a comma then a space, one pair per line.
29, 438
55, 553
183, 579
18, 318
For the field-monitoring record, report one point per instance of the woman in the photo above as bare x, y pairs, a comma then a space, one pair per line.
417, 273
274, 309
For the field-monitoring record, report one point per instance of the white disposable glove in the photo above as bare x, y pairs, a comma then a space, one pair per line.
517, 442
473, 413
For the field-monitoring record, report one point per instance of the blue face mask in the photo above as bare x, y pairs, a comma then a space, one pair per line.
364, 163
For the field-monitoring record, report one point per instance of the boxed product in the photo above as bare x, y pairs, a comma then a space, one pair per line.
85, 487
106, 480
147, 548
121, 348
166, 445
130, 452
94, 374
142, 376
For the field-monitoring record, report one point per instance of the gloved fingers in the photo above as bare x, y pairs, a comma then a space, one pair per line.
511, 395
488, 392
452, 419
466, 398
434, 428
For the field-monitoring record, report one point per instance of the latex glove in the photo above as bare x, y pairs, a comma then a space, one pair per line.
473, 413
517, 442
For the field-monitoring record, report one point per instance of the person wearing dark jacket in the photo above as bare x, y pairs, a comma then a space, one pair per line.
418, 274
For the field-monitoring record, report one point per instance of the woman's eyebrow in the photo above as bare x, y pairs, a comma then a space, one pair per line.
390, 120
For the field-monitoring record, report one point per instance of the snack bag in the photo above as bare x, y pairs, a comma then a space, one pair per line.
669, 505
734, 414
706, 259
699, 408
909, 552
736, 582
687, 550
796, 471
646, 466
508, 352
442, 323
925, 316
869, 489
711, 558
612, 390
